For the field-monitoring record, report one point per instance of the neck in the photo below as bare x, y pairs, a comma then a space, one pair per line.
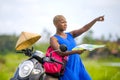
61, 33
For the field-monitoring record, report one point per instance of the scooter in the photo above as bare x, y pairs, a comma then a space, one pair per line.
32, 68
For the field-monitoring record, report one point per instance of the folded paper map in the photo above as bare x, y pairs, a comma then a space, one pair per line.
89, 47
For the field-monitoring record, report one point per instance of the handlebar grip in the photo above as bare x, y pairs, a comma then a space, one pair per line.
19, 51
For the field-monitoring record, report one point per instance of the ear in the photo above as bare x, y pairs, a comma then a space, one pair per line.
56, 24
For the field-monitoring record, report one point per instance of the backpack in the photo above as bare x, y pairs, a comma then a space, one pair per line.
56, 65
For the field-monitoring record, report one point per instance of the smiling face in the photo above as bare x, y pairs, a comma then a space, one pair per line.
60, 22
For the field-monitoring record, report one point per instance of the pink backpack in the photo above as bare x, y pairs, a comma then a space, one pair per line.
56, 66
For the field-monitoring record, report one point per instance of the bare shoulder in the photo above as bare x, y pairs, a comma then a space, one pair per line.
54, 43
71, 32
74, 33
53, 39
77, 32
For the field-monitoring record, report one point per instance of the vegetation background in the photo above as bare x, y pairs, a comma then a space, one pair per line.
102, 64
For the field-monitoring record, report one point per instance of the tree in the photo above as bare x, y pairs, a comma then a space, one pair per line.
7, 43
88, 38
45, 35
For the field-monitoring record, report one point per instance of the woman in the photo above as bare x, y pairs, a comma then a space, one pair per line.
74, 69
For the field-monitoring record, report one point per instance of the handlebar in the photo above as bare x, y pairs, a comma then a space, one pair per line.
50, 59
54, 60
62, 47
27, 52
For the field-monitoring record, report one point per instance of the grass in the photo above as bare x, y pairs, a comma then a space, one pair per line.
96, 69
100, 71
8, 64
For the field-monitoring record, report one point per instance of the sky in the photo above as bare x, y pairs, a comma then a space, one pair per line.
36, 15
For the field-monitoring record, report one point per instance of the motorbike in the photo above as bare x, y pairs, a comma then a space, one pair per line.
32, 68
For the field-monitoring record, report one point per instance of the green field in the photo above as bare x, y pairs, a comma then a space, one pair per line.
96, 68
102, 71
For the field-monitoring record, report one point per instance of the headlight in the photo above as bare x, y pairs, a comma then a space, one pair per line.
25, 68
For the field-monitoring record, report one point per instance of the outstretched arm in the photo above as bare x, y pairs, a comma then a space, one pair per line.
78, 32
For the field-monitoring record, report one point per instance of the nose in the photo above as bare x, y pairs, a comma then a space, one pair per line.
66, 24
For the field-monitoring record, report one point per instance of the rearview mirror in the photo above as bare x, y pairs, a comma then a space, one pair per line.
63, 48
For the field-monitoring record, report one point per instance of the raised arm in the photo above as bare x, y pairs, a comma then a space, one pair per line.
78, 32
